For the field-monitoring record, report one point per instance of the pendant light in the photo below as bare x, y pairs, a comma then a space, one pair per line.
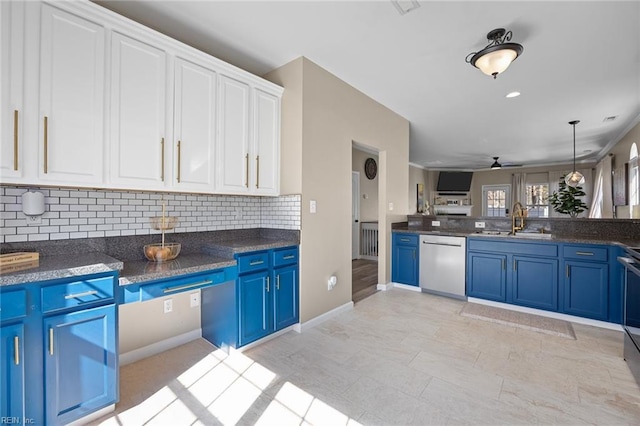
574, 178
496, 57
496, 165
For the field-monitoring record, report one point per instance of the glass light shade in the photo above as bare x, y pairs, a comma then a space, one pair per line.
496, 62
574, 179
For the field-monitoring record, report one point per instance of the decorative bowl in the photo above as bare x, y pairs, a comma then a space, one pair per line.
160, 253
163, 223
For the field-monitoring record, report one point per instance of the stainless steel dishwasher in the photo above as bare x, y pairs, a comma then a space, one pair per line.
442, 265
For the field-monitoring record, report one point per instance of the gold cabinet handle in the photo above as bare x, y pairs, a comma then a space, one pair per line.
46, 144
267, 284
246, 159
258, 171
162, 159
178, 161
16, 350
77, 295
584, 253
185, 287
277, 282
15, 140
50, 340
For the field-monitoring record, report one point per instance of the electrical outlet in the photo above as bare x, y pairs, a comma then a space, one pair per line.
194, 299
168, 306
480, 225
34, 220
390, 207
435, 223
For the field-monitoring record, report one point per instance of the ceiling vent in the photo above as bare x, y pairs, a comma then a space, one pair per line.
405, 6
610, 118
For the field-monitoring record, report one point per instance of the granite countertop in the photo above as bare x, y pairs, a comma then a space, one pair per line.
214, 255
61, 266
556, 238
138, 271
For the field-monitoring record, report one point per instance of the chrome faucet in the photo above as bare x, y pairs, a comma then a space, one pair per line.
517, 212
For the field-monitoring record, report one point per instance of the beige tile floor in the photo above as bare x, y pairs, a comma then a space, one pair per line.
397, 358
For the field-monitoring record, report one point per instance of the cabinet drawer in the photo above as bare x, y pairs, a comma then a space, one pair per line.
406, 239
583, 252
77, 293
253, 262
13, 304
285, 257
166, 287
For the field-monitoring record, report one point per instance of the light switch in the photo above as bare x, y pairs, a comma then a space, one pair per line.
313, 206
390, 206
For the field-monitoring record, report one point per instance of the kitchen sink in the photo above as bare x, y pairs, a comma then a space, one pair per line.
529, 234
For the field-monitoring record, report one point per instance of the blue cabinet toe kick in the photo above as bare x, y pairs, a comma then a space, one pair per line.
165, 287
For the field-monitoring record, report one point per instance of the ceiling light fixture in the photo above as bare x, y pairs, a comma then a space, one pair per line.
495, 164
574, 178
405, 6
512, 95
496, 57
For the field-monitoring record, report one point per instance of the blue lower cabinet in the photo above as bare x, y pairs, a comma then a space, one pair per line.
12, 372
405, 259
535, 282
586, 289
285, 300
254, 294
80, 363
487, 276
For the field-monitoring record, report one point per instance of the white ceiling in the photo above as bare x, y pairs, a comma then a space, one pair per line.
581, 61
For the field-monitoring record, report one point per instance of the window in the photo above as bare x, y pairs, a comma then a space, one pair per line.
495, 200
634, 178
537, 203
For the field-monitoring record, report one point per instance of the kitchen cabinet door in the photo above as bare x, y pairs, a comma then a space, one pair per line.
72, 85
535, 282
194, 127
140, 151
405, 265
254, 292
233, 160
585, 289
487, 276
12, 148
285, 297
80, 363
266, 145
12, 372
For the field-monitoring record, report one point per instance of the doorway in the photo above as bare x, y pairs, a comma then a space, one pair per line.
364, 222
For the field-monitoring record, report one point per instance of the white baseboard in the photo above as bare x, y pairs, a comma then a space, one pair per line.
158, 347
324, 317
407, 287
93, 416
265, 339
556, 315
385, 287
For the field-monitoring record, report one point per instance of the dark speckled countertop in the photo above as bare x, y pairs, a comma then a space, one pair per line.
62, 266
201, 252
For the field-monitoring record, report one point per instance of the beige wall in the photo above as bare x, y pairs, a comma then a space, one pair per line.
334, 115
368, 187
621, 150
417, 175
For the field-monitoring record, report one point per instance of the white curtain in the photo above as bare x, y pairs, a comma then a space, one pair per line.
602, 203
519, 185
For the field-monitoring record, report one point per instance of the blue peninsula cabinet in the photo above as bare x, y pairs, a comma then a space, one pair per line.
59, 349
405, 258
578, 279
264, 299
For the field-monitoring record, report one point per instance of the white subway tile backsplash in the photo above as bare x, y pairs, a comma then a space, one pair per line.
78, 213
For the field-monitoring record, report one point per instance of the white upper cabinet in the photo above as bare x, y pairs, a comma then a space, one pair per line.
233, 140
266, 142
71, 116
12, 150
140, 149
194, 127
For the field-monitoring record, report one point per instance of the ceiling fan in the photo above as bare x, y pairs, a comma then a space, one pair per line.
496, 165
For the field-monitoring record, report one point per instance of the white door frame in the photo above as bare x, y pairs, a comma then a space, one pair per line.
355, 215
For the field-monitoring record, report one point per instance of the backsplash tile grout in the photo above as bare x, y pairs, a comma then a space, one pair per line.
73, 213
